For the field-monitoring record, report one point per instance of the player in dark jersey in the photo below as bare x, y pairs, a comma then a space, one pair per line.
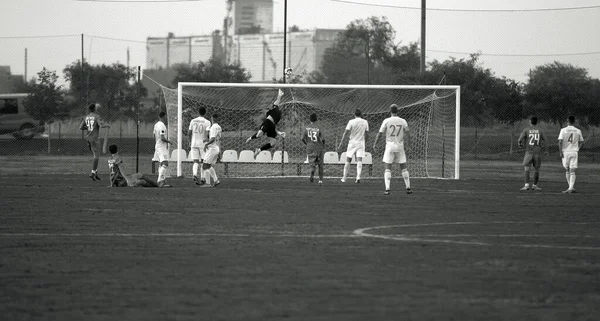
92, 123
532, 138
118, 178
269, 127
315, 147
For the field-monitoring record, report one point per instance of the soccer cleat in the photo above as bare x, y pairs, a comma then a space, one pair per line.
536, 188
357, 181
408, 191
161, 183
249, 139
256, 152
387, 192
312, 178
343, 180
569, 191
92, 176
199, 181
215, 184
97, 177
320, 183
525, 188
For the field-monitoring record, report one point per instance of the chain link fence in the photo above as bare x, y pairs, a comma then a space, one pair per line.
497, 79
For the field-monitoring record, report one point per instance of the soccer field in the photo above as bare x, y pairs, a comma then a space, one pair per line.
273, 249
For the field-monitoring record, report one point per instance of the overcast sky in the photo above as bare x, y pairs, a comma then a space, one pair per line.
511, 42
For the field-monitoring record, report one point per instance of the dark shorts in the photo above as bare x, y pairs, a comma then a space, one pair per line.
534, 159
120, 182
268, 128
316, 158
94, 146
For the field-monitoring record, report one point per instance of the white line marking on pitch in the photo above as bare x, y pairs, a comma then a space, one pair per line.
180, 235
494, 235
407, 238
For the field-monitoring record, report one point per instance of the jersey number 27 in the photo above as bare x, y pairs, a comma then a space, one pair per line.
395, 130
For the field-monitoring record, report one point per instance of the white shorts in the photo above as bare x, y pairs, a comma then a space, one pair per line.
196, 153
390, 157
162, 154
211, 156
569, 159
357, 148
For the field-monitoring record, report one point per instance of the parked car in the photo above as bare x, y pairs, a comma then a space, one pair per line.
15, 120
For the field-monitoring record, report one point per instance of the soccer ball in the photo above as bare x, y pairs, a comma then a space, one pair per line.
288, 71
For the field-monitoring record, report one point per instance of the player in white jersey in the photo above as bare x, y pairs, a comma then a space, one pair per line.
570, 141
197, 133
358, 131
161, 150
212, 150
396, 133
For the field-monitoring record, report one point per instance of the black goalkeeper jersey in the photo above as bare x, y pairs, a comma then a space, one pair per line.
275, 113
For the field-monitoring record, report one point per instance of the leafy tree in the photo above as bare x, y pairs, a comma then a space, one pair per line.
365, 53
478, 87
506, 104
45, 100
109, 85
556, 90
212, 71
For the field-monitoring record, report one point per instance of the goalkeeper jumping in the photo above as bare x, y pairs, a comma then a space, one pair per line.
269, 127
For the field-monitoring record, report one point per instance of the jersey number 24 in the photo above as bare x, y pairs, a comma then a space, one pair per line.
534, 139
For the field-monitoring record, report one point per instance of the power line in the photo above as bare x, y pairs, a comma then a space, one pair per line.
277, 45
519, 55
117, 39
35, 37
466, 10
138, 1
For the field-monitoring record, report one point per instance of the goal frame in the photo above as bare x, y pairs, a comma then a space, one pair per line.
180, 86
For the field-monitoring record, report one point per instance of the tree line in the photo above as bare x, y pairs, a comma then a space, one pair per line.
364, 53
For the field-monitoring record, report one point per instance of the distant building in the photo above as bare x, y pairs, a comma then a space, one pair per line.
162, 53
252, 16
260, 54
9, 83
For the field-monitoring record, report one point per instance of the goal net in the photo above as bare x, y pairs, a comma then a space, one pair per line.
432, 113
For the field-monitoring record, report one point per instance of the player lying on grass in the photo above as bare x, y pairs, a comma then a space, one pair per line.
315, 147
269, 127
118, 178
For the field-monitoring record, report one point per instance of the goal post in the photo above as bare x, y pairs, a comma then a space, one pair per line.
432, 113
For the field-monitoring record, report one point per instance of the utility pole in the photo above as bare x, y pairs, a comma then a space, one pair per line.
25, 73
284, 39
423, 24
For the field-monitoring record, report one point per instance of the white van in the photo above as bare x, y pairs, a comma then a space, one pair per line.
14, 119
